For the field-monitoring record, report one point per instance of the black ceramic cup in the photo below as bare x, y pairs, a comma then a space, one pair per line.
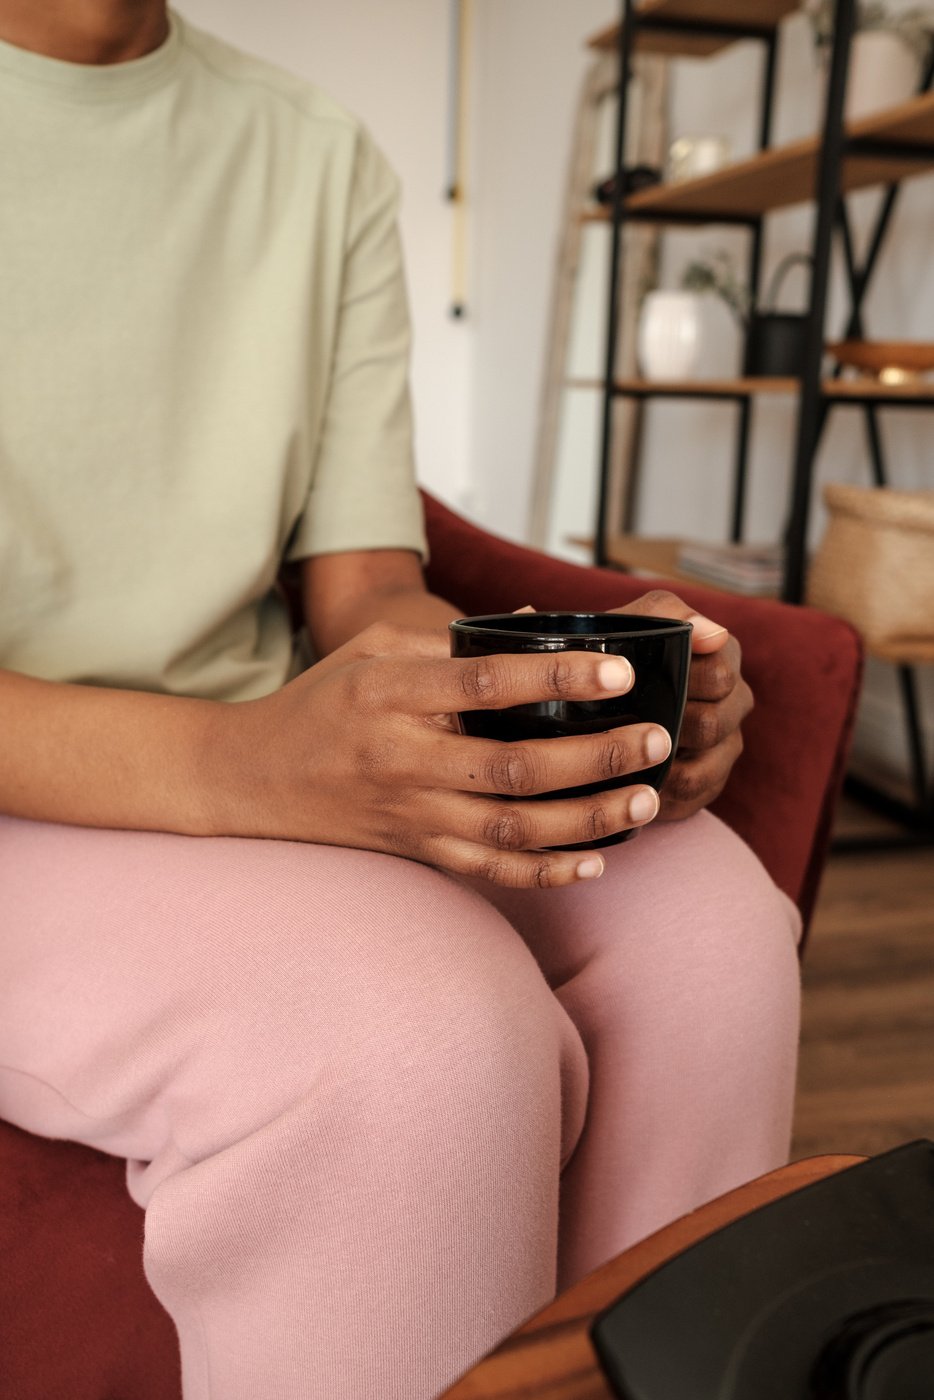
658, 649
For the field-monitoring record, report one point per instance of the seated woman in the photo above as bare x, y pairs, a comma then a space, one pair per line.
386, 1072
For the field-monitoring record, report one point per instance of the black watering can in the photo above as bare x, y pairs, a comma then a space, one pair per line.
775, 340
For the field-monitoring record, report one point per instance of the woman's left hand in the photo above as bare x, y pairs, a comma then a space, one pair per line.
718, 701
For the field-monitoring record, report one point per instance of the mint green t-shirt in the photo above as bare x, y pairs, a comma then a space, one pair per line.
203, 363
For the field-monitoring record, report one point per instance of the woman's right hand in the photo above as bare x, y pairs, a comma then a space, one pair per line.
363, 750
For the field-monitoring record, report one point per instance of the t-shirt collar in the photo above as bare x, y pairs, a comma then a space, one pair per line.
92, 82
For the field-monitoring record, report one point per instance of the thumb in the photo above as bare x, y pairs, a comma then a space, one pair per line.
707, 635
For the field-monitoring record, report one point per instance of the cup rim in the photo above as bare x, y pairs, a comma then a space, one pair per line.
480, 626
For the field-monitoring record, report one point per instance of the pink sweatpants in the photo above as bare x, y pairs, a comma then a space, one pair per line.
376, 1117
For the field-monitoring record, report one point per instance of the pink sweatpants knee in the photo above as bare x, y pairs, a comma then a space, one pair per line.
346, 1085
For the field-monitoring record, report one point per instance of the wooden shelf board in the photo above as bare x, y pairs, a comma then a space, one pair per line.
920, 392
693, 388
676, 44
657, 557
759, 14
910, 652
702, 388
786, 175
839, 389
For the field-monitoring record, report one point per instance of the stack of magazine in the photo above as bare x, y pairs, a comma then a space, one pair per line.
741, 568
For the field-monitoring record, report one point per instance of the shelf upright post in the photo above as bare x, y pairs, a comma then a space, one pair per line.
624, 51
924, 797
859, 278
809, 408
754, 266
855, 329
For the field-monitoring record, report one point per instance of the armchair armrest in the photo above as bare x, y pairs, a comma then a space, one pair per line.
804, 668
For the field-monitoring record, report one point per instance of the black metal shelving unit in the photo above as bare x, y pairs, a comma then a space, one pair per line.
632, 23
902, 147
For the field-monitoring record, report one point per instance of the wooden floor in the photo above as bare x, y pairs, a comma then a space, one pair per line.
866, 1079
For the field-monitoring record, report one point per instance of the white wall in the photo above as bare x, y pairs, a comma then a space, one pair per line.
530, 61
387, 60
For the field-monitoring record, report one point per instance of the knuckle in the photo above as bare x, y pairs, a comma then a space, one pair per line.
491, 869
597, 824
614, 758
541, 874
370, 760
395, 842
505, 829
660, 598
720, 678
707, 727
387, 799
380, 638
361, 687
511, 771
559, 678
482, 681
514, 872
686, 784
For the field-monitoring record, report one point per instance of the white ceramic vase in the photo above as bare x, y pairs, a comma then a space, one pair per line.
883, 72
669, 337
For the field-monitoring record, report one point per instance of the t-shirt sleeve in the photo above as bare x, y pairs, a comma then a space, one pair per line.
363, 493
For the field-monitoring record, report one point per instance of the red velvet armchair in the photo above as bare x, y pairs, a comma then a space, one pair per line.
77, 1321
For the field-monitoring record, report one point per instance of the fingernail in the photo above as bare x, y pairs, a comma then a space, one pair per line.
590, 869
528, 608
644, 805
704, 628
615, 674
657, 745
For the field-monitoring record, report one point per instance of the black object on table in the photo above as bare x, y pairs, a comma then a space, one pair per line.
826, 1294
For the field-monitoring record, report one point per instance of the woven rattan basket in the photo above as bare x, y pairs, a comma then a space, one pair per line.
875, 568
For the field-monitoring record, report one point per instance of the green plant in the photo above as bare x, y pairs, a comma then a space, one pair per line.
715, 274
915, 26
